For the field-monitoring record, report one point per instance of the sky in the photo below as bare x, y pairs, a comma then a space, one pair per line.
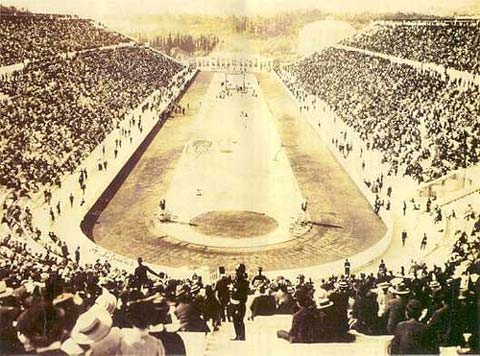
103, 8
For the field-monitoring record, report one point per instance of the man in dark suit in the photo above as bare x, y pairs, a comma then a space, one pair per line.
395, 310
187, 312
263, 304
444, 325
284, 300
411, 336
259, 278
141, 277
223, 293
340, 306
304, 321
238, 302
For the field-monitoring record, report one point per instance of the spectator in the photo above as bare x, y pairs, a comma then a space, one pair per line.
303, 328
395, 309
411, 336
136, 340
188, 314
94, 332
263, 303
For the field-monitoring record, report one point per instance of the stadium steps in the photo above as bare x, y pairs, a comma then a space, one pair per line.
261, 339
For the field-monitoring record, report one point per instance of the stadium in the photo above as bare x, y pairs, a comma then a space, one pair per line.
305, 183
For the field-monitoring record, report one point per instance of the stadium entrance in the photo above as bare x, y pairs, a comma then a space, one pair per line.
234, 62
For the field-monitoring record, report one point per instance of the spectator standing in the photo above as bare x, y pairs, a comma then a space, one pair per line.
238, 302
346, 266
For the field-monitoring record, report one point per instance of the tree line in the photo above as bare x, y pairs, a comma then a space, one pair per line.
202, 44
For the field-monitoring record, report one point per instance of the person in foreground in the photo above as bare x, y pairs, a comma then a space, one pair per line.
411, 336
303, 323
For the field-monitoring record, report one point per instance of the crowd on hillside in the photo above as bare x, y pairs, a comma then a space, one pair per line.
453, 44
54, 113
424, 126
52, 305
35, 37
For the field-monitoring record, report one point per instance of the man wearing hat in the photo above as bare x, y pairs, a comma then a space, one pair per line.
303, 328
444, 325
383, 297
238, 301
411, 336
395, 309
347, 267
340, 307
93, 331
172, 341
263, 303
223, 293
188, 314
365, 311
284, 299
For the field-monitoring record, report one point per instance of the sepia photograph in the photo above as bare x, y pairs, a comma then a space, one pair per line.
239, 177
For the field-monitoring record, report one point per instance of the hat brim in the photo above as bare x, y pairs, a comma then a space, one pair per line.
7, 293
384, 285
63, 298
325, 305
401, 292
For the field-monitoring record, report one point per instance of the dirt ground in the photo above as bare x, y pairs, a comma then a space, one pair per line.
343, 222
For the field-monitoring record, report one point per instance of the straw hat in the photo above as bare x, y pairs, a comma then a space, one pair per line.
92, 326
107, 301
4, 290
324, 303
400, 289
397, 280
434, 284
343, 284
384, 285
195, 288
62, 298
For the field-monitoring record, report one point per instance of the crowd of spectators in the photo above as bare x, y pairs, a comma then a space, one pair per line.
424, 126
452, 44
53, 305
54, 113
35, 37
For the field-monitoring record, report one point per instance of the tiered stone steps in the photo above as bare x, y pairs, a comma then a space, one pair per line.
261, 340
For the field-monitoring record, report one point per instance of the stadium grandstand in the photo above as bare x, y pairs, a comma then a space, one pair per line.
324, 207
